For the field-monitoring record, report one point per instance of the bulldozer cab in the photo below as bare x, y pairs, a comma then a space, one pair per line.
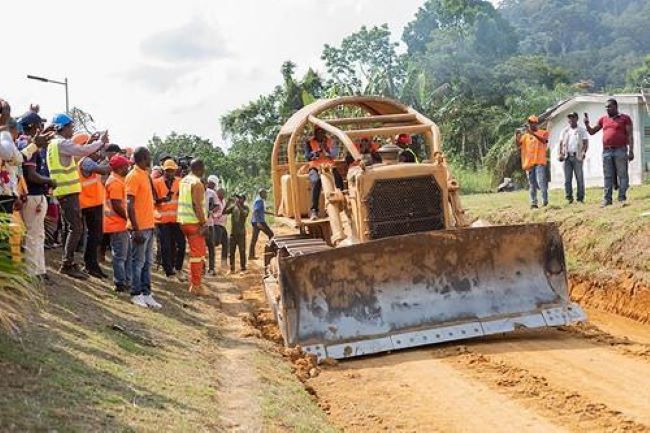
390, 262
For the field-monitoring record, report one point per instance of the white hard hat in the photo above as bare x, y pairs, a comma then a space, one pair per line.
214, 179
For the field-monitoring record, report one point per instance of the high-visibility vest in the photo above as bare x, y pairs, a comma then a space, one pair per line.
186, 214
67, 178
166, 212
533, 150
314, 145
92, 190
112, 222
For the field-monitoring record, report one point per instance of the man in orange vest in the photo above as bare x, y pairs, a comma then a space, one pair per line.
115, 222
91, 202
172, 239
320, 150
533, 144
369, 151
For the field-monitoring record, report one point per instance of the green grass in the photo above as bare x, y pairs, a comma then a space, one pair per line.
615, 237
473, 181
286, 406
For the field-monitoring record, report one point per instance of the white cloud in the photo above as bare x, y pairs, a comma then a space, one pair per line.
195, 41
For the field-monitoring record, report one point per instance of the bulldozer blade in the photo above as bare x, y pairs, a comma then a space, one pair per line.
423, 288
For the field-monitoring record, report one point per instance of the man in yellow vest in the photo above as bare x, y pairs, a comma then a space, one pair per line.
61, 152
191, 216
172, 240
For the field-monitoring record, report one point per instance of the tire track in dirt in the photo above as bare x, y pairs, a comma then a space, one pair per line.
413, 392
597, 373
562, 404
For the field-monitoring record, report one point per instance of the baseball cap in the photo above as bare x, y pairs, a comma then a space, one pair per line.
404, 139
30, 118
169, 164
118, 161
574, 114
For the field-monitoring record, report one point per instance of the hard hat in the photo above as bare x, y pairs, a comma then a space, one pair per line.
61, 120
169, 164
213, 179
81, 138
533, 119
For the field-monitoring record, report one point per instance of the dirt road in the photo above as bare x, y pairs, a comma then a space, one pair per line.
577, 379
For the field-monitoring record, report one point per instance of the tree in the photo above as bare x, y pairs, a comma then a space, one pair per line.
640, 77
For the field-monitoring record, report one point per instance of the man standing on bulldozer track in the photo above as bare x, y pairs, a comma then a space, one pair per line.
533, 144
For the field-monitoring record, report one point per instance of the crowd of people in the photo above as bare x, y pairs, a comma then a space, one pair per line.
618, 151
81, 193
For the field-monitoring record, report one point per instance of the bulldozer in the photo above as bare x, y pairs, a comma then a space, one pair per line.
391, 261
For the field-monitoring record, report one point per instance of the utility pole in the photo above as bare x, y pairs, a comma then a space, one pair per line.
63, 83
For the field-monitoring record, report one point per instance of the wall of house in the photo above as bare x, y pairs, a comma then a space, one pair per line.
593, 164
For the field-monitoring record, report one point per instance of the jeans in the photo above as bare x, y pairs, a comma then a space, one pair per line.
172, 247
209, 242
537, 181
238, 241
142, 259
572, 166
121, 251
316, 185
93, 219
33, 213
72, 226
615, 165
257, 228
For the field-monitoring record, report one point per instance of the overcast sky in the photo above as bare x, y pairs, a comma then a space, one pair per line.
152, 67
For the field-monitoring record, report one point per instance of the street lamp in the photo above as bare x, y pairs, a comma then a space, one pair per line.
63, 83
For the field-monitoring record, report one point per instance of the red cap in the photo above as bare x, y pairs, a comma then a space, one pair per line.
404, 139
118, 161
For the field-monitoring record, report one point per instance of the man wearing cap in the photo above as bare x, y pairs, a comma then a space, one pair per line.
259, 222
574, 143
115, 222
61, 152
533, 144
213, 206
191, 215
220, 230
105, 243
618, 149
238, 212
407, 154
172, 240
320, 150
91, 202
38, 184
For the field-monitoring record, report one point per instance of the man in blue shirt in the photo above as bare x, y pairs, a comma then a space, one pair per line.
259, 222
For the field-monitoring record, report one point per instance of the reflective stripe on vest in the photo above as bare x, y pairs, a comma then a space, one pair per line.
92, 190
314, 145
186, 214
67, 178
166, 212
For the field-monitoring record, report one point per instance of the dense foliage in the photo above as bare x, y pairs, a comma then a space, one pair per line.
477, 70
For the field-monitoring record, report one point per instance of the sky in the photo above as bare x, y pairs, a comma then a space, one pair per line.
143, 67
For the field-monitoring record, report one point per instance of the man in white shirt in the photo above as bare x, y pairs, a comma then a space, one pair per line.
574, 142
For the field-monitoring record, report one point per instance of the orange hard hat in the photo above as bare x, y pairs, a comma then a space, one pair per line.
81, 138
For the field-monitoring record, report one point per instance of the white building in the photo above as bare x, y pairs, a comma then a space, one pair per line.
634, 105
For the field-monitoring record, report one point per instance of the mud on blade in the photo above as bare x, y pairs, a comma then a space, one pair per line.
424, 288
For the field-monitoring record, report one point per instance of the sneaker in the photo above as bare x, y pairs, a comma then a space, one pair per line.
151, 302
313, 214
139, 301
570, 200
212, 273
121, 287
73, 271
534, 206
605, 203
